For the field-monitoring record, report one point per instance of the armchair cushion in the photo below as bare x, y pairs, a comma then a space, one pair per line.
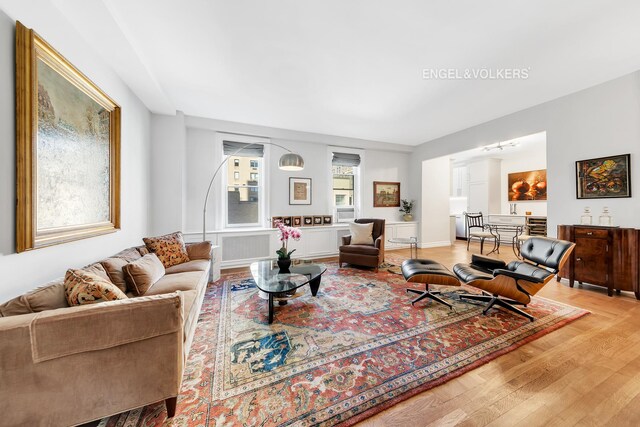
517, 276
360, 249
361, 234
527, 269
467, 273
486, 262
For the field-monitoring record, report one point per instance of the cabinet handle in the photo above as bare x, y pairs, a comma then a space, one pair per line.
589, 233
578, 259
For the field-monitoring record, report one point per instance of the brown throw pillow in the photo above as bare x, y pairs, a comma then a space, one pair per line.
97, 269
169, 248
82, 287
200, 250
143, 273
113, 267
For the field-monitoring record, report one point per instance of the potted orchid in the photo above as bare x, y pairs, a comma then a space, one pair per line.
284, 255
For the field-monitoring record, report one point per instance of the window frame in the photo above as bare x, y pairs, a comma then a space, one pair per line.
358, 179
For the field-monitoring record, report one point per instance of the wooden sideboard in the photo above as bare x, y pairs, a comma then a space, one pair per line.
604, 256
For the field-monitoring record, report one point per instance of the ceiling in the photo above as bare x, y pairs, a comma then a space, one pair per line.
355, 68
513, 148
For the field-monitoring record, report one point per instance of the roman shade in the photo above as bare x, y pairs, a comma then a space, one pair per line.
345, 159
248, 150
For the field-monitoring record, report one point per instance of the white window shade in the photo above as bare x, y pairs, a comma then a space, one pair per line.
345, 159
247, 150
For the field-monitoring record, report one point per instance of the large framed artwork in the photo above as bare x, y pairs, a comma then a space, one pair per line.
604, 177
299, 191
529, 185
67, 149
386, 194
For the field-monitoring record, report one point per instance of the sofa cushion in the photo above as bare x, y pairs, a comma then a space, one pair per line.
47, 297
87, 288
176, 282
361, 234
143, 273
15, 307
200, 250
360, 249
193, 265
169, 248
129, 254
97, 269
113, 266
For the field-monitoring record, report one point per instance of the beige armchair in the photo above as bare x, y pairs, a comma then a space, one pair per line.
365, 255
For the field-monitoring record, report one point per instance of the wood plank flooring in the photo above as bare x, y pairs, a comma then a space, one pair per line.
586, 373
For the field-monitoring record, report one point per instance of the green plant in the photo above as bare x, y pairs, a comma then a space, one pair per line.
407, 206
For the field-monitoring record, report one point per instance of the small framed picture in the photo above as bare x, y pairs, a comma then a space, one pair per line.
307, 221
299, 191
386, 194
317, 220
327, 220
297, 221
287, 221
275, 219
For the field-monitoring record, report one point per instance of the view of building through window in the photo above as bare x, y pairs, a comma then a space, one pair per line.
244, 189
343, 185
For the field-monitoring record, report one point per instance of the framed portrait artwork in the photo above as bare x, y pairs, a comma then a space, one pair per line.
604, 177
299, 191
386, 194
67, 149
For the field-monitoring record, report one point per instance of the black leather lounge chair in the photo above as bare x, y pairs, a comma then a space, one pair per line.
508, 285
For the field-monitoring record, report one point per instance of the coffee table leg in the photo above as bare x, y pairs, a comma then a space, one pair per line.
270, 308
315, 285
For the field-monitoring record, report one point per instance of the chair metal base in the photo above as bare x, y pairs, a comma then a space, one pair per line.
428, 294
502, 302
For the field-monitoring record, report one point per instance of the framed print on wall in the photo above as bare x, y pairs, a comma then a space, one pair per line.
530, 185
299, 191
67, 149
604, 177
307, 221
386, 194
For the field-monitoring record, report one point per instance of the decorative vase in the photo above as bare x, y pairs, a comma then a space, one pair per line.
407, 217
284, 265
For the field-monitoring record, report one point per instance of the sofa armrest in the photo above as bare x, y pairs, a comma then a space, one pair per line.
199, 250
63, 332
346, 240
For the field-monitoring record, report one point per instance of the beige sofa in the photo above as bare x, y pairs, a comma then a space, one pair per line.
62, 365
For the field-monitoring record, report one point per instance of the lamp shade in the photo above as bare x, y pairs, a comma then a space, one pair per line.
291, 162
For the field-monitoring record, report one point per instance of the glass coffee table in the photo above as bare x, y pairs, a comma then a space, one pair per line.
270, 281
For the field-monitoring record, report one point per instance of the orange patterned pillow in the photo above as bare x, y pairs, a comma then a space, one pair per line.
169, 248
82, 287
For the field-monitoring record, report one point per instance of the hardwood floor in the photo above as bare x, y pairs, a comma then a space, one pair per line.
586, 373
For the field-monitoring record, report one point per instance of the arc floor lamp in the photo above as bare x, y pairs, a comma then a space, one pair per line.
289, 161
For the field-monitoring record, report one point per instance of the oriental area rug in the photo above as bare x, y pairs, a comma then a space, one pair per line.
357, 348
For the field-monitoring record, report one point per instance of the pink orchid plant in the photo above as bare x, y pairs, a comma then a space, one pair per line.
285, 233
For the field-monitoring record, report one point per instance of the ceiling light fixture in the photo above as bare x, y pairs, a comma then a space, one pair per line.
499, 146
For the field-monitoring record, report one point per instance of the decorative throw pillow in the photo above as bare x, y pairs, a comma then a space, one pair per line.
169, 248
361, 234
143, 273
113, 267
82, 287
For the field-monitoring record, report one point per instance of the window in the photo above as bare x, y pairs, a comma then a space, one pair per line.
345, 168
244, 189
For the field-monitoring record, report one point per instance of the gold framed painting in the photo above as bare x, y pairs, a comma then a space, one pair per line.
386, 194
67, 149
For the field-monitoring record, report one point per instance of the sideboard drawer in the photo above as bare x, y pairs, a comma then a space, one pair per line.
594, 233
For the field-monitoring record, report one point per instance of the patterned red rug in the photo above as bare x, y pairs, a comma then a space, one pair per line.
357, 348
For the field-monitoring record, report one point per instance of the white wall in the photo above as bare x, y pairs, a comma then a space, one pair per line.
599, 121
22, 272
201, 156
434, 212
533, 159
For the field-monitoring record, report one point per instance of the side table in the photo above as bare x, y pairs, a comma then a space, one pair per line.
411, 241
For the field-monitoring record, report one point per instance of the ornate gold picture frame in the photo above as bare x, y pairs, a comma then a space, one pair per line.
67, 149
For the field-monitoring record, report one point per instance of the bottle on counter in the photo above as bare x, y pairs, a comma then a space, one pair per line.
605, 219
585, 219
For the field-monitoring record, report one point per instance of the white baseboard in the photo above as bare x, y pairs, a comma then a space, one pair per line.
426, 245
